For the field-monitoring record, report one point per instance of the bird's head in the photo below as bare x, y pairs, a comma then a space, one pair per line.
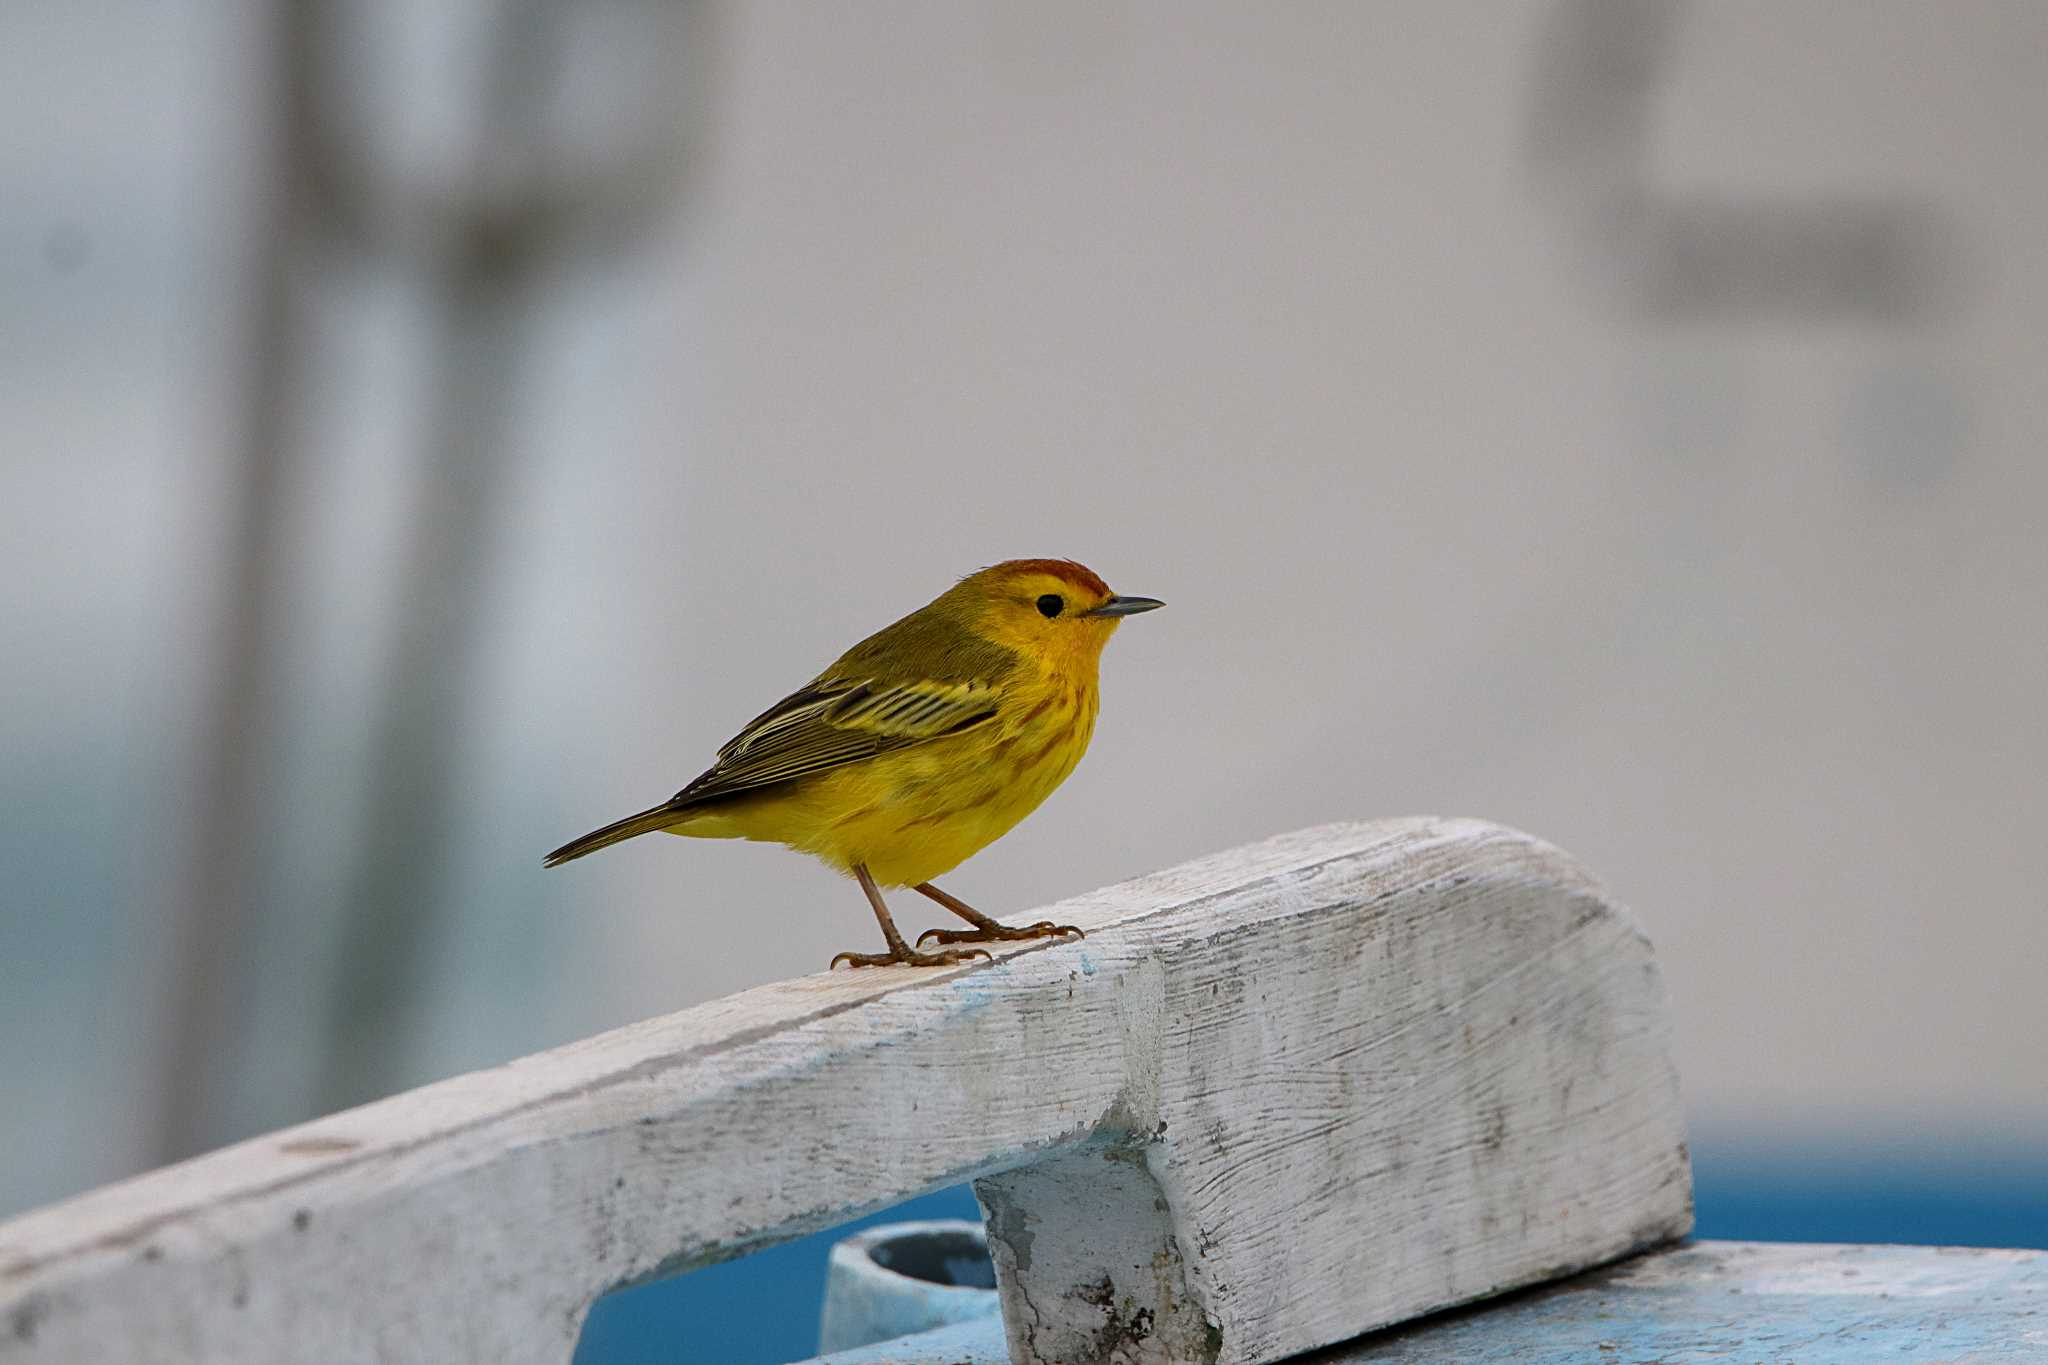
1053, 610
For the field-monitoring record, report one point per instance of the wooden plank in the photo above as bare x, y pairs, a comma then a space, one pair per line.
1277, 1097
980, 1342
1707, 1301
1768, 1301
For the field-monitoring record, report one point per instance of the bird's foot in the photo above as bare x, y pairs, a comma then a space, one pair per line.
999, 933
910, 957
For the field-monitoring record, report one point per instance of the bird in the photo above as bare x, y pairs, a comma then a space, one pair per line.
917, 748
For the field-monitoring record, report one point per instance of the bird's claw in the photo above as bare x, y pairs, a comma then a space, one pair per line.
1045, 928
948, 958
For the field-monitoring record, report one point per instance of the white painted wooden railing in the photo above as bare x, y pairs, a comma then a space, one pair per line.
1276, 1098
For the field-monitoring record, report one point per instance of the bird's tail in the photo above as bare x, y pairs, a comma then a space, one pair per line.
646, 822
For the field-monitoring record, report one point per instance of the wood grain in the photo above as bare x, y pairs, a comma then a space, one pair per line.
1704, 1301
1277, 1097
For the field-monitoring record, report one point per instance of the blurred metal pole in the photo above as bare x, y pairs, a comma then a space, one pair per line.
397, 892
212, 912
536, 193
527, 212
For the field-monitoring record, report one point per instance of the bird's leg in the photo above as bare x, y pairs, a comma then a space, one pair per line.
985, 930
899, 951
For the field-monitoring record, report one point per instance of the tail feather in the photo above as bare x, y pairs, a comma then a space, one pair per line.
646, 822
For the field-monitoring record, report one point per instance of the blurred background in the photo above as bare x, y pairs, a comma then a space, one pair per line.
428, 430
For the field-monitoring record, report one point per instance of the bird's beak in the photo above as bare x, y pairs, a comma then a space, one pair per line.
1125, 606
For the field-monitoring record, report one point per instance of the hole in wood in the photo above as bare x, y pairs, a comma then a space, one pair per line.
764, 1308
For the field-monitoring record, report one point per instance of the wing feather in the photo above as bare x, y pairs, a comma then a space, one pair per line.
837, 721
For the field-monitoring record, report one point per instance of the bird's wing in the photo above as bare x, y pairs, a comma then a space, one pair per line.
836, 721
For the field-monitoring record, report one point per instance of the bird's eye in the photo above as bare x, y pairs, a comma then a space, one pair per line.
1052, 604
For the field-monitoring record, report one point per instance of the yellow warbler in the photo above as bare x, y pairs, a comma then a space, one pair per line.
919, 747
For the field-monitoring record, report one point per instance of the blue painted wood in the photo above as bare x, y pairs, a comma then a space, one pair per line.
1704, 1301
1743, 1301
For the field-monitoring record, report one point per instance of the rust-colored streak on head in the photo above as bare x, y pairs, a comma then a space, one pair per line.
1078, 575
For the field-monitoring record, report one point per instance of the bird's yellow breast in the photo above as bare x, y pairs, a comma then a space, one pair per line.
916, 813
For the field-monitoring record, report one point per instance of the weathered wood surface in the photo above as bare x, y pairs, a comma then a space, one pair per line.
1279, 1096
1765, 1301
1705, 1302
